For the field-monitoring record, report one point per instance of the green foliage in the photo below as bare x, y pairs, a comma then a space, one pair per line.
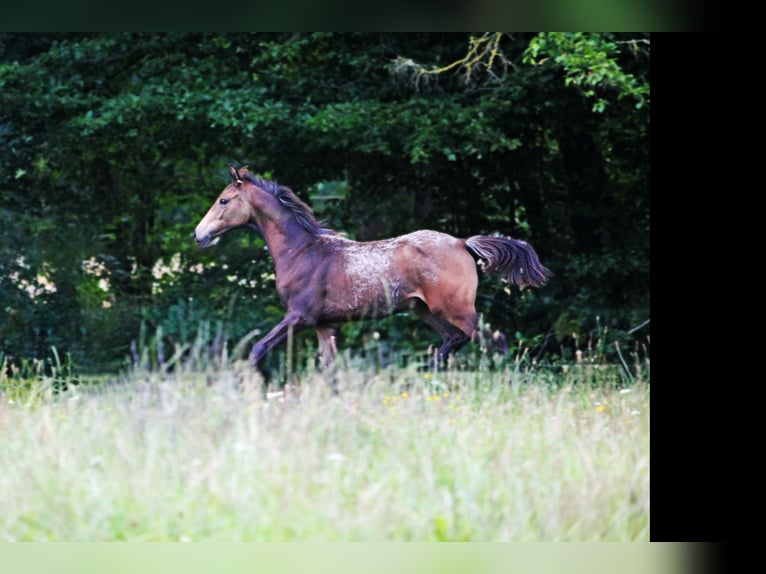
114, 146
590, 62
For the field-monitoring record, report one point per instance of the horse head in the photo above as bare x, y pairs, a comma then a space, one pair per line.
229, 211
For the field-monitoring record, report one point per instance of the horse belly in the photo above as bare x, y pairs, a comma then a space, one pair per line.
364, 297
364, 283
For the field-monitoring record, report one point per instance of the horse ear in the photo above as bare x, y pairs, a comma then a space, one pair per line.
234, 174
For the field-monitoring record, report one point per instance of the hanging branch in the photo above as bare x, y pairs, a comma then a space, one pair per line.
484, 53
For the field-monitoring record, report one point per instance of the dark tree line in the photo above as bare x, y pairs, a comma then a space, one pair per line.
113, 146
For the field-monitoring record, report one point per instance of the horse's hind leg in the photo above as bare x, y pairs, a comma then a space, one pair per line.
453, 336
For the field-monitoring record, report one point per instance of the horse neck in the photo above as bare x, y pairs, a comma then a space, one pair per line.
283, 234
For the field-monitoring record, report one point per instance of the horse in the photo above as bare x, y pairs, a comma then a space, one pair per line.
325, 279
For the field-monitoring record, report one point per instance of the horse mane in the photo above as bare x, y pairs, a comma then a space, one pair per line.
301, 212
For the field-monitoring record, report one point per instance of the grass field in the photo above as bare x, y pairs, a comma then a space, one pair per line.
397, 455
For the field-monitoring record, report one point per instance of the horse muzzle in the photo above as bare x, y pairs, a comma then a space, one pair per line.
204, 235
204, 241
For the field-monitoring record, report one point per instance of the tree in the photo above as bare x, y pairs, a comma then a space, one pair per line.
114, 146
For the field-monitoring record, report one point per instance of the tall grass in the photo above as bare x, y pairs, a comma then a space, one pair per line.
395, 454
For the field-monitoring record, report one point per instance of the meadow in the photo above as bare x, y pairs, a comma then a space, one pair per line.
393, 454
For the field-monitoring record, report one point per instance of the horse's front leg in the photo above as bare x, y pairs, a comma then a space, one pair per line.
292, 320
327, 337
328, 347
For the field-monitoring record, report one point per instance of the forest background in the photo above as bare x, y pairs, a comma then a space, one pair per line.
113, 146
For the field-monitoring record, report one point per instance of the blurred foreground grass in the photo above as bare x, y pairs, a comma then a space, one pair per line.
398, 455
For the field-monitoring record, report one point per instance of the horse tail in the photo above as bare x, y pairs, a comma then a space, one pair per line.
515, 260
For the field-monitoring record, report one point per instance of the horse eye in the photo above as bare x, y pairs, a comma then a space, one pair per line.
223, 201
